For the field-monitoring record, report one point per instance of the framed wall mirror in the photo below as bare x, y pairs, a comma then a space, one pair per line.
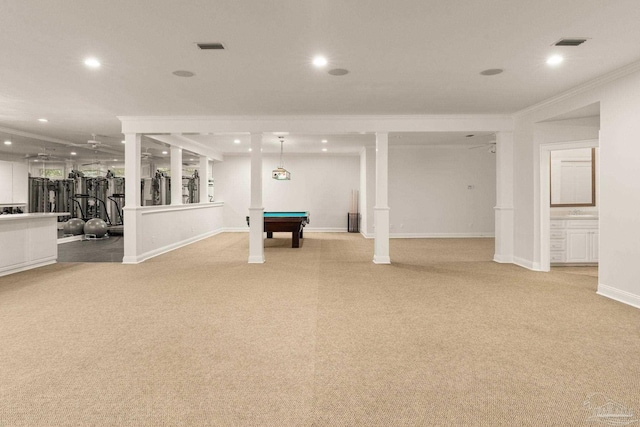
573, 177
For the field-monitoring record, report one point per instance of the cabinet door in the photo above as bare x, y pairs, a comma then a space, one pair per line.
20, 183
578, 245
595, 242
6, 183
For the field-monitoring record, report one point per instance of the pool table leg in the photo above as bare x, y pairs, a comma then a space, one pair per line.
295, 239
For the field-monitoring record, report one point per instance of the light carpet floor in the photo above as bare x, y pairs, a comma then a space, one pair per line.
316, 336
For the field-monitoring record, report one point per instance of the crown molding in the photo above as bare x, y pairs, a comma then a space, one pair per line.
590, 85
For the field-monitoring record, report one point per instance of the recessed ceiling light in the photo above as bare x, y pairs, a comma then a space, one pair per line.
555, 60
183, 73
491, 71
35, 160
165, 152
115, 160
123, 141
324, 149
250, 149
191, 160
236, 141
324, 141
92, 63
320, 61
338, 72
7, 142
73, 153
43, 120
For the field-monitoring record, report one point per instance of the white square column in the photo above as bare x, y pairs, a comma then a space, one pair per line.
381, 209
176, 175
132, 197
256, 210
504, 229
203, 184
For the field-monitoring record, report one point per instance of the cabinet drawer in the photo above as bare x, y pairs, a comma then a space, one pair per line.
556, 223
558, 234
557, 256
557, 245
583, 223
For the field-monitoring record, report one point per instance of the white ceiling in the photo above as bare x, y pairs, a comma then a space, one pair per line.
408, 57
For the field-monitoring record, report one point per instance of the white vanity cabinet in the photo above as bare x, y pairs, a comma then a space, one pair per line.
574, 241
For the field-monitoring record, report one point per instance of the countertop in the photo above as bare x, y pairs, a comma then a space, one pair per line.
574, 217
35, 215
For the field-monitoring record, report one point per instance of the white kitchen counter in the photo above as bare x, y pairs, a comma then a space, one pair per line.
28, 241
24, 216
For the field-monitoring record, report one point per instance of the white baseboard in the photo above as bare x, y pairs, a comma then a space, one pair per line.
503, 259
235, 230
71, 239
391, 236
619, 295
430, 235
26, 266
168, 248
439, 235
306, 230
525, 263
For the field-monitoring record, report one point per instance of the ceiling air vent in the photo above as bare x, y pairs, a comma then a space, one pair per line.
210, 46
569, 42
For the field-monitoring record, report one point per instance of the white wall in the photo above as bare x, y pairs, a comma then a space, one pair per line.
320, 184
619, 97
153, 230
362, 202
530, 130
429, 195
370, 189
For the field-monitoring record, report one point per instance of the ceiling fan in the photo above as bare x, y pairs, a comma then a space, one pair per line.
95, 143
41, 156
146, 155
490, 145
97, 162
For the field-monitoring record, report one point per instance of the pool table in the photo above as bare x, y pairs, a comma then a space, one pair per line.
286, 221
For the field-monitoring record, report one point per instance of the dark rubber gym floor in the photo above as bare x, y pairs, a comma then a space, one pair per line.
106, 250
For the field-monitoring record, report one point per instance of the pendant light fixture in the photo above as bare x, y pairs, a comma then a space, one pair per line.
280, 173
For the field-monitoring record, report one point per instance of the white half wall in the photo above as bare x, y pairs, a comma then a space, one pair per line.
160, 229
320, 184
429, 193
